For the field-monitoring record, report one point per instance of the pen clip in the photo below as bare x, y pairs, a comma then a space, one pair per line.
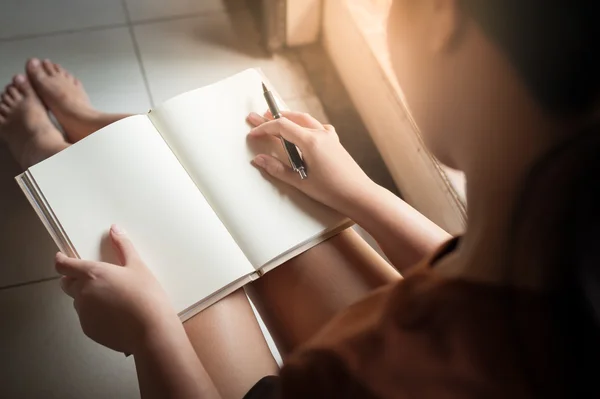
289, 155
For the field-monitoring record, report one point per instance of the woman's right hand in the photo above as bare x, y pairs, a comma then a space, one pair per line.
334, 178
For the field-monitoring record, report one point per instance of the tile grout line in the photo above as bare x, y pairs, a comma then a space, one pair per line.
61, 32
110, 26
174, 17
138, 54
17, 285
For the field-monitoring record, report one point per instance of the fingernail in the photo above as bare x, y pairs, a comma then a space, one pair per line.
59, 256
116, 229
35, 62
260, 161
255, 118
20, 79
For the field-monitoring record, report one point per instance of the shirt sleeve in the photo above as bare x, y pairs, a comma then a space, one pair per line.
320, 374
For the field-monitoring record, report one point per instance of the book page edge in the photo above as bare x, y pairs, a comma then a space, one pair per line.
36, 199
216, 297
305, 246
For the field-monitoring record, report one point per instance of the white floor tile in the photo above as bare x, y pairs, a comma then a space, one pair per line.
47, 355
181, 55
140, 10
26, 249
104, 60
29, 17
265, 331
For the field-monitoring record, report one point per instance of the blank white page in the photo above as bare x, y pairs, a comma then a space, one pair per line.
207, 130
126, 174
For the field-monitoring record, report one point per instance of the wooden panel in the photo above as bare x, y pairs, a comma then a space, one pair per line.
419, 176
303, 22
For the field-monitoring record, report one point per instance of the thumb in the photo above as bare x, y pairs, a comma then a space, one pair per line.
123, 245
277, 169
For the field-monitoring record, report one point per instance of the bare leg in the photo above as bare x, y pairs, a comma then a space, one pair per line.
231, 346
298, 298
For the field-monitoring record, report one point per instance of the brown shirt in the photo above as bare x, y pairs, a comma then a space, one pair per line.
431, 337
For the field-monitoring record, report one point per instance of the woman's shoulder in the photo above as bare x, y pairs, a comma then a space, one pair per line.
428, 335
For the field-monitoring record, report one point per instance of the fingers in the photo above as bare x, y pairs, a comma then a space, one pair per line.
277, 169
71, 267
123, 245
255, 119
303, 119
300, 118
71, 286
285, 128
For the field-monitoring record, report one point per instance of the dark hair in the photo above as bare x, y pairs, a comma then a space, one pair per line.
557, 224
555, 46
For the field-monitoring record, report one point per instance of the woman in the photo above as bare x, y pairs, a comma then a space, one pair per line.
504, 90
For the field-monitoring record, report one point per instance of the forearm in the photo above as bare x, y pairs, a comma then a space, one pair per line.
168, 366
404, 234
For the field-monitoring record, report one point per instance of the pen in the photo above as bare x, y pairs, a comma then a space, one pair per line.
292, 151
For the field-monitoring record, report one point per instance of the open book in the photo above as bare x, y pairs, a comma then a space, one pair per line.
180, 182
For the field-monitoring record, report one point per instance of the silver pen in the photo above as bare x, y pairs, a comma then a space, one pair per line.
291, 150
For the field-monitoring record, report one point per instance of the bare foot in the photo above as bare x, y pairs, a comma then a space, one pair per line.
25, 125
65, 97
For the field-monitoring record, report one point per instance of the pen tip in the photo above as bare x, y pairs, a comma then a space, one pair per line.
264, 88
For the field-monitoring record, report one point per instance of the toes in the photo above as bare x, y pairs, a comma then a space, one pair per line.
4, 110
14, 93
22, 84
49, 67
35, 70
7, 99
19, 80
60, 70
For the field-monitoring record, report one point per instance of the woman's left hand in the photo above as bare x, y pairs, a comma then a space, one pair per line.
119, 306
